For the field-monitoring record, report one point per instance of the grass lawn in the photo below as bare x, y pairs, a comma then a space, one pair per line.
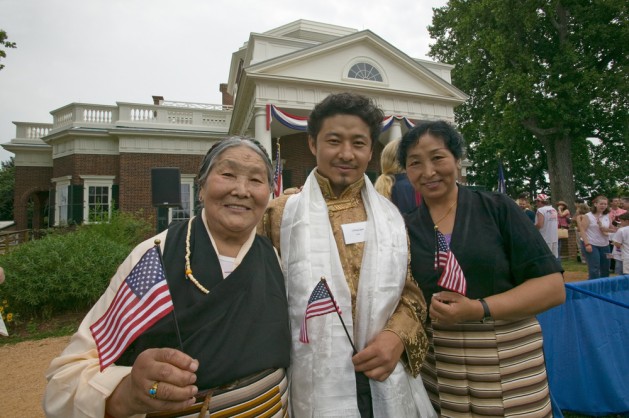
574, 266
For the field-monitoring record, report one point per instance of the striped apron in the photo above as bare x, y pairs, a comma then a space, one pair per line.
260, 395
487, 369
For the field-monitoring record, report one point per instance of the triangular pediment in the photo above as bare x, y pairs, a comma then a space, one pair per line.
330, 62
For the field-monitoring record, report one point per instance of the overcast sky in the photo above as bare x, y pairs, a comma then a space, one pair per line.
108, 51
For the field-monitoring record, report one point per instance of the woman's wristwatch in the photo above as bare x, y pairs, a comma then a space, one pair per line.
486, 312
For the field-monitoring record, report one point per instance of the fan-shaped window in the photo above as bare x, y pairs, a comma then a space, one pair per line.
364, 71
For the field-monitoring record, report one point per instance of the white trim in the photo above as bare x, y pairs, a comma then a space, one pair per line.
61, 186
96, 181
362, 59
186, 180
62, 178
97, 178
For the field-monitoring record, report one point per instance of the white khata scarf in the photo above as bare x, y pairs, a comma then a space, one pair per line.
322, 375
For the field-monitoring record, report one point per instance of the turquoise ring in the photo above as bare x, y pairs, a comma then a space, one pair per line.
153, 390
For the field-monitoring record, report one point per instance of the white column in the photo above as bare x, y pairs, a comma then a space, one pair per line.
395, 131
261, 134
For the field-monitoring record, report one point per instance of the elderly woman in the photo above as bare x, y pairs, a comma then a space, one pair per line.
485, 272
229, 346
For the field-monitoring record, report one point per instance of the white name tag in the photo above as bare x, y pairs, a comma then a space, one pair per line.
353, 233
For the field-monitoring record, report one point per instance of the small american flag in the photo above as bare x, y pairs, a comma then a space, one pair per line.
320, 303
452, 277
502, 187
142, 300
278, 187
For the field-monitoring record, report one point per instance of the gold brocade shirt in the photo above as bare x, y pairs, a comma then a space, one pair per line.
409, 316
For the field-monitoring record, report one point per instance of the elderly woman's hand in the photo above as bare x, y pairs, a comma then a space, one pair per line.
450, 308
161, 379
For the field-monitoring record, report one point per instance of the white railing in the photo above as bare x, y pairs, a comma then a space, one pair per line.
31, 131
166, 115
190, 105
79, 114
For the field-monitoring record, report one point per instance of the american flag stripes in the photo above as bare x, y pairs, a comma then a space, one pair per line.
452, 277
142, 299
320, 303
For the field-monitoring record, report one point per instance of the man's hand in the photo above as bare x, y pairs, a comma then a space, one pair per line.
379, 358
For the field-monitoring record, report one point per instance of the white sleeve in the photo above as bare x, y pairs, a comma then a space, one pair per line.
76, 386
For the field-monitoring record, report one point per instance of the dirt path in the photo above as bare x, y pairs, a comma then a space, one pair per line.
23, 366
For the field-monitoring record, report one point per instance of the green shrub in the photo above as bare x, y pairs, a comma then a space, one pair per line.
64, 272
125, 228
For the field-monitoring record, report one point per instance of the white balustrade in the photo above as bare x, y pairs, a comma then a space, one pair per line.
36, 132
187, 116
209, 119
180, 118
31, 131
100, 116
189, 105
63, 119
184, 115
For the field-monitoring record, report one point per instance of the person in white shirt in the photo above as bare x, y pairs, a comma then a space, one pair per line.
547, 223
621, 241
594, 230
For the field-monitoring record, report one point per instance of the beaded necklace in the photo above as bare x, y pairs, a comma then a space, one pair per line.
189, 275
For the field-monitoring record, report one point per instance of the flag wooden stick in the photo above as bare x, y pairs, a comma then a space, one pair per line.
159, 254
325, 283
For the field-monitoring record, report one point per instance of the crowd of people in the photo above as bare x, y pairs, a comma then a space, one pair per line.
597, 230
338, 299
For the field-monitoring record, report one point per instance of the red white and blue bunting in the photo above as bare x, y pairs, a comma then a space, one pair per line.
300, 123
388, 121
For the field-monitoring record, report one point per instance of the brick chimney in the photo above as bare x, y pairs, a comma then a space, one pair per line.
228, 99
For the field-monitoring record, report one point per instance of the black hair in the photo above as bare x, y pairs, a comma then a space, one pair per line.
439, 128
347, 104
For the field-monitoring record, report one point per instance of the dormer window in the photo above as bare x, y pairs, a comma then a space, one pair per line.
364, 71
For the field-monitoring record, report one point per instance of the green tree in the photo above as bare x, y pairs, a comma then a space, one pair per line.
4, 43
7, 186
543, 76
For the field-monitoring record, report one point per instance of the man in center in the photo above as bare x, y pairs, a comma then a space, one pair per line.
340, 228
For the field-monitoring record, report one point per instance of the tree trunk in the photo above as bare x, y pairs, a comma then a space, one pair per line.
560, 171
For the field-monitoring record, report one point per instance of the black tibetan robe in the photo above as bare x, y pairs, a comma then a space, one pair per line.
241, 327
495, 244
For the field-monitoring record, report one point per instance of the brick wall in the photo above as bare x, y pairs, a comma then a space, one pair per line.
29, 182
135, 177
86, 164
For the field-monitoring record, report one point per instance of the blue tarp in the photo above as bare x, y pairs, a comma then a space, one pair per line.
586, 345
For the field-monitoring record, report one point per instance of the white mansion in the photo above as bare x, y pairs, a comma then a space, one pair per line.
95, 157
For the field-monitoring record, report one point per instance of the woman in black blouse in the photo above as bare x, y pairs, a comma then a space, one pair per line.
485, 272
